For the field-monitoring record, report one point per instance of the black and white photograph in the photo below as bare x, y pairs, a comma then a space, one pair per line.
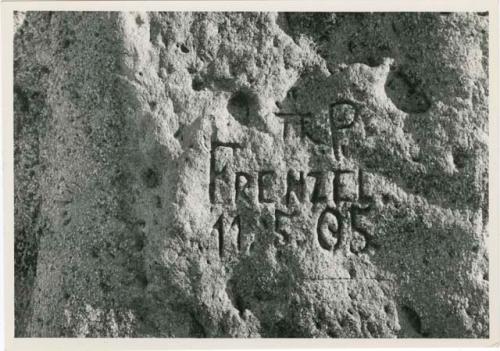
251, 174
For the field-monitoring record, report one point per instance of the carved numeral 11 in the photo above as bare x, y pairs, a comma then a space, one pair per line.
221, 234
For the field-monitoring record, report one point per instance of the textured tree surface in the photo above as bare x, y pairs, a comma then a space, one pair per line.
251, 174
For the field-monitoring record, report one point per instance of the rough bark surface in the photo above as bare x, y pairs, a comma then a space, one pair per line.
251, 174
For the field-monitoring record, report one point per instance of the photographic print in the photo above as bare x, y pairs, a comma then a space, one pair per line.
251, 174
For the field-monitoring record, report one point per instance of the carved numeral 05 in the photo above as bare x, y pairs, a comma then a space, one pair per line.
328, 229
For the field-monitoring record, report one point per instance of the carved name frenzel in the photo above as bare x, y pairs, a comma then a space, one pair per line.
337, 211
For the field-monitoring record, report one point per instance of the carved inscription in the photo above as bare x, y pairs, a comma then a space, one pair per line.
328, 228
243, 182
343, 115
344, 187
221, 156
282, 224
228, 236
219, 227
296, 185
319, 191
304, 125
265, 184
236, 226
327, 129
340, 202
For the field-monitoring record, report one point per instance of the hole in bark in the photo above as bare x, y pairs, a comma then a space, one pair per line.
405, 95
139, 21
142, 279
239, 107
197, 84
151, 178
413, 318
352, 273
178, 133
158, 202
460, 158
